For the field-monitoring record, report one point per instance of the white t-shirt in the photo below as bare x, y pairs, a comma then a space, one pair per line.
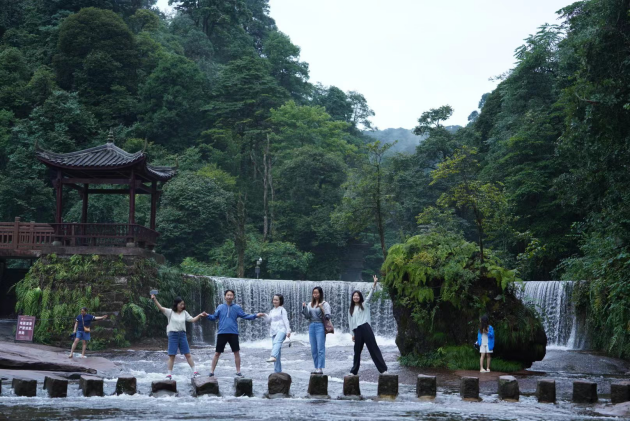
278, 321
176, 321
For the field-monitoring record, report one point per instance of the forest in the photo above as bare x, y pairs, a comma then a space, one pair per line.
273, 165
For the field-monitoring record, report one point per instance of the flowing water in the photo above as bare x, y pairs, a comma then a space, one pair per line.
553, 302
255, 295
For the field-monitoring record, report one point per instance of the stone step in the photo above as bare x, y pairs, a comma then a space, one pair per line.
91, 386
243, 387
584, 392
546, 391
161, 388
469, 389
351, 386
426, 386
204, 385
24, 387
318, 386
620, 392
57, 387
388, 386
126, 385
278, 385
508, 388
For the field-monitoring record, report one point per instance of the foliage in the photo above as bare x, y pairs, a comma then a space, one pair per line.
457, 358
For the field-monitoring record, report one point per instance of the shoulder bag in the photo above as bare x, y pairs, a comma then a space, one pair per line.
86, 329
328, 326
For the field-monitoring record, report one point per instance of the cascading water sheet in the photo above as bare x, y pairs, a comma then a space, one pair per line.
255, 295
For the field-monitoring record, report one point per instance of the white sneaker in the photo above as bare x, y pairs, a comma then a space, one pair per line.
385, 372
271, 360
482, 371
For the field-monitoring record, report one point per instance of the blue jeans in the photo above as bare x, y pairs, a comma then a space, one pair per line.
317, 337
178, 340
276, 350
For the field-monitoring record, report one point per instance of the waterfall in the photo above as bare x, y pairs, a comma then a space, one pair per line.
553, 302
255, 295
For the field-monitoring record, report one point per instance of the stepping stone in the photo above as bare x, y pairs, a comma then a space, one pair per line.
243, 387
620, 392
24, 387
204, 385
351, 387
426, 386
469, 389
546, 391
278, 385
126, 385
57, 387
508, 388
388, 386
91, 386
161, 388
584, 392
318, 386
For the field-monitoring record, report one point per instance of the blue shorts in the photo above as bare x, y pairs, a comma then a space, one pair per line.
177, 340
85, 336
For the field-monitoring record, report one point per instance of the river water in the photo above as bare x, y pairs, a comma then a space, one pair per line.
148, 365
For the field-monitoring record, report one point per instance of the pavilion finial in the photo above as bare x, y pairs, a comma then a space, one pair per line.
110, 136
144, 147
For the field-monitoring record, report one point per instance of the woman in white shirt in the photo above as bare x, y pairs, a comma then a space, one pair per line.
362, 333
279, 330
176, 331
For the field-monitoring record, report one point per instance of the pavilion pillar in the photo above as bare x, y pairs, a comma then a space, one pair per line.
154, 197
84, 209
131, 238
59, 187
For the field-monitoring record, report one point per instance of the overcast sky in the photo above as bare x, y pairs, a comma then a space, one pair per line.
407, 56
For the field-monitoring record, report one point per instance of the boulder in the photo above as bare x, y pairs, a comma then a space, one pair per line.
91, 386
469, 388
161, 388
24, 387
584, 392
508, 388
318, 386
351, 386
126, 385
57, 387
620, 392
279, 385
387, 386
204, 385
426, 386
243, 387
21, 357
546, 391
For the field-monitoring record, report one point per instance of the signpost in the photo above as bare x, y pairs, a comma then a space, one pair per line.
25, 327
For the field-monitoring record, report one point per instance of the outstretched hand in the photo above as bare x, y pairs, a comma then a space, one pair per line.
375, 279
260, 315
204, 314
153, 297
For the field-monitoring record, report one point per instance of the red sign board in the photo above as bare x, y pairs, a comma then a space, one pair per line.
25, 327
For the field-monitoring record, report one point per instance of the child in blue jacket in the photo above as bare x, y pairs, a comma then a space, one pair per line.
485, 340
227, 315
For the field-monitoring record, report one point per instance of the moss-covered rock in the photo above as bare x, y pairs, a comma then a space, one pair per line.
440, 290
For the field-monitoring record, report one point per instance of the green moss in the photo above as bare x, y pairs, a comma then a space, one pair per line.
457, 358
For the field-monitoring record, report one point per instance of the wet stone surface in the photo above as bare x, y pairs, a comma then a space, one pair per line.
620, 392
243, 387
351, 386
546, 391
279, 384
469, 388
24, 387
160, 388
508, 388
57, 387
126, 385
584, 392
204, 385
426, 386
91, 386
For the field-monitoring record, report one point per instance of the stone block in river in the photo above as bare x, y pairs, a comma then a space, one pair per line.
388, 386
204, 385
56, 387
161, 388
351, 386
318, 385
620, 392
24, 387
508, 388
126, 385
243, 387
91, 386
426, 386
469, 388
279, 384
546, 391
584, 391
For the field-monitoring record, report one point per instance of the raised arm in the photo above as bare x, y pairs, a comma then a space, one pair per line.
101, 318
305, 311
154, 298
369, 297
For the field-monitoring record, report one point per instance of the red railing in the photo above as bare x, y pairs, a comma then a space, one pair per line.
32, 236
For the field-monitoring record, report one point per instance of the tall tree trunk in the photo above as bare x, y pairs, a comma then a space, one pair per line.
265, 192
379, 215
240, 241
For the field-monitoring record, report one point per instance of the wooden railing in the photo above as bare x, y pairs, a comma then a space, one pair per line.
32, 236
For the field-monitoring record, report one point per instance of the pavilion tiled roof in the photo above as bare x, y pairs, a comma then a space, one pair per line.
104, 157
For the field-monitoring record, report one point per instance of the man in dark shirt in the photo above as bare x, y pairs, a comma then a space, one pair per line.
83, 321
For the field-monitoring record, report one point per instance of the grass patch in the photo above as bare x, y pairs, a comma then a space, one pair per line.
457, 358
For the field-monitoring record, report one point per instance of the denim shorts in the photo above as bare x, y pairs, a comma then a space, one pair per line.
85, 336
177, 340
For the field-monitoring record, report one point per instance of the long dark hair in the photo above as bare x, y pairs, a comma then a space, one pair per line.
356, 291
321, 296
176, 302
483, 324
